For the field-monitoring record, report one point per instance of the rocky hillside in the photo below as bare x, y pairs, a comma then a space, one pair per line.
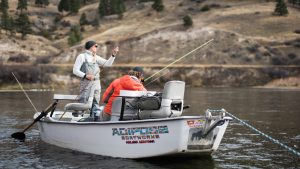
244, 32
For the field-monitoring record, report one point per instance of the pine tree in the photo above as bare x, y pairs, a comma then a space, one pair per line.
75, 35
4, 5
119, 7
39, 2
23, 24
64, 5
109, 7
83, 20
280, 8
74, 6
42, 3
22, 5
5, 21
96, 21
158, 5
103, 8
11, 26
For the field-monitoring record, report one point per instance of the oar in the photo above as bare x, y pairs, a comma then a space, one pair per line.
21, 135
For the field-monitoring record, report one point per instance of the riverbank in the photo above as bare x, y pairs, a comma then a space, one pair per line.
286, 83
195, 75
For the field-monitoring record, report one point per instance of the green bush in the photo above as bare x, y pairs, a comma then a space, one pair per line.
187, 21
75, 35
281, 8
205, 8
158, 5
18, 58
83, 20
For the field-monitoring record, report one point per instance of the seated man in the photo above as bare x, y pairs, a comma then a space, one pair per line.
132, 81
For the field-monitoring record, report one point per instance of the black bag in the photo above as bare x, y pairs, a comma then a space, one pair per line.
148, 103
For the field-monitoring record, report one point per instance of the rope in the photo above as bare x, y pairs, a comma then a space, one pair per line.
266, 136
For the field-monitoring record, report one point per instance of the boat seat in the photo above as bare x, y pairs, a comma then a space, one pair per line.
174, 90
82, 106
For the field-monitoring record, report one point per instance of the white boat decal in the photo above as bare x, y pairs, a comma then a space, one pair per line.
140, 135
196, 123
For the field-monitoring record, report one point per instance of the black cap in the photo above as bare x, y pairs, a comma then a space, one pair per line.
138, 69
89, 44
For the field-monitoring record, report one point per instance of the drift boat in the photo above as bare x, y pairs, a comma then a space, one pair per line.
147, 124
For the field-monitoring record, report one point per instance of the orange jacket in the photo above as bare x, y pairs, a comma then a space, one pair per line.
123, 83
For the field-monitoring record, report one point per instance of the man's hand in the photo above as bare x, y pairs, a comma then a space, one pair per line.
89, 77
115, 51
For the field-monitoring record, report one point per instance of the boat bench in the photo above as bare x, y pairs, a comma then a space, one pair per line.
65, 97
74, 106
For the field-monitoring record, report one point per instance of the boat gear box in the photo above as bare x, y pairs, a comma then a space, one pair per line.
149, 104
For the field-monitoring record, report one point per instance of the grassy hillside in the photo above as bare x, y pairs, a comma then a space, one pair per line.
245, 32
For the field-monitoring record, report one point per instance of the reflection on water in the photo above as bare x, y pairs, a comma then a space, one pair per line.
273, 111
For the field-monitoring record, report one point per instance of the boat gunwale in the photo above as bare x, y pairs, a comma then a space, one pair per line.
52, 120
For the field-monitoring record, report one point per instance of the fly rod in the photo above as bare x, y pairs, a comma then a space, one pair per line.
24, 92
201, 46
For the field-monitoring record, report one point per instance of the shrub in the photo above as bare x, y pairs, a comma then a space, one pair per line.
19, 58
58, 18
96, 21
279, 61
205, 8
83, 20
45, 33
25, 74
75, 35
253, 48
276, 73
297, 44
187, 21
280, 8
43, 60
141, 1
292, 55
158, 5
297, 31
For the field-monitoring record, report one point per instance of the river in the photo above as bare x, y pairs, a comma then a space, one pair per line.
275, 112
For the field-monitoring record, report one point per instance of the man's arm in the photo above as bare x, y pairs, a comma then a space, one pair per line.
106, 63
110, 61
109, 91
76, 68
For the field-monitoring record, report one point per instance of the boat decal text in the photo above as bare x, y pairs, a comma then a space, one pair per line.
140, 135
196, 123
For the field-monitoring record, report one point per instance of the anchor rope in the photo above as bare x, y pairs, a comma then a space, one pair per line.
265, 135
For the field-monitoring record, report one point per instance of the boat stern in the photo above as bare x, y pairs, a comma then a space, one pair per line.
206, 133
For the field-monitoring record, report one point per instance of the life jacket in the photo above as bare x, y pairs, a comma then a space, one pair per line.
123, 83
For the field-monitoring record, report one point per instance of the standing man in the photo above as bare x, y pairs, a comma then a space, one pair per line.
87, 67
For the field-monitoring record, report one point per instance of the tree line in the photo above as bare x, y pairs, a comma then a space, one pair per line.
294, 2
21, 23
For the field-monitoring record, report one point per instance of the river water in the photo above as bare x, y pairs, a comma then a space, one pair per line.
275, 112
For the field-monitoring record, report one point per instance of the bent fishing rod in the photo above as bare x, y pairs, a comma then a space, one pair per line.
199, 47
24, 92
21, 135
